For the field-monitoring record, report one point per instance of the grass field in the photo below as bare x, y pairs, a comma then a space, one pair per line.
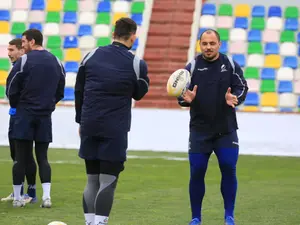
153, 191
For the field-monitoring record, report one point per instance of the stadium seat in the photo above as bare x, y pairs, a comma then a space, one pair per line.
225, 10
268, 86
269, 99
70, 6
254, 35
3, 77
271, 48
267, 74
285, 73
291, 24
87, 18
257, 23
250, 109
7, 4
285, 86
70, 79
137, 7
2, 92
224, 47
299, 102
19, 16
51, 29
286, 110
274, 23
201, 30
87, 6
103, 18
120, 6
103, 41
297, 87
69, 94
224, 22
237, 47
70, 42
71, 67
70, 17
21, 4
238, 34
84, 30
253, 85
5, 38
58, 53
73, 54
3, 51
291, 12
255, 60
290, 61
299, 51
137, 18
255, 48
288, 49
104, 6
224, 34
4, 64
207, 21
241, 22
4, 27
298, 38
118, 16
37, 26
287, 100
53, 42
18, 28
53, 17
208, 9
297, 74
240, 59
36, 16
251, 73
272, 61
270, 36
258, 11
37, 5
4, 15
287, 36
135, 45
101, 30
68, 29
252, 99
87, 42
242, 10
274, 11
54, 5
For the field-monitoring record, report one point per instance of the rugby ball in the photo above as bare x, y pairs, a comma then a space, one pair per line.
57, 223
178, 82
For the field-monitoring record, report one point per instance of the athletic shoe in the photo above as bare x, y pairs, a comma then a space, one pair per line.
8, 198
46, 203
229, 220
195, 221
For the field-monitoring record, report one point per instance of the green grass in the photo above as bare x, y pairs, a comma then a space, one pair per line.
155, 191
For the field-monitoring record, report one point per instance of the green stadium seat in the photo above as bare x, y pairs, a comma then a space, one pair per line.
255, 48
4, 64
137, 7
287, 36
103, 41
53, 42
103, 18
18, 28
251, 73
2, 92
291, 12
225, 10
71, 6
268, 86
224, 34
58, 53
53, 17
258, 23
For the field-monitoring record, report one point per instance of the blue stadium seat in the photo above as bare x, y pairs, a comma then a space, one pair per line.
37, 26
71, 67
138, 18
268, 74
252, 99
290, 61
201, 30
70, 42
135, 44
70, 17
286, 110
104, 6
240, 59
258, 11
299, 51
285, 86
18, 36
241, 22
69, 94
38, 5
224, 47
299, 102
274, 11
291, 24
254, 35
271, 48
298, 38
85, 30
4, 15
208, 9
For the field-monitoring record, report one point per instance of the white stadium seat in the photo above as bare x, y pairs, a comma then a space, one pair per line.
207, 21
224, 22
238, 34
287, 100
36, 16
255, 60
101, 30
274, 23
288, 49
87, 5
87, 18
87, 42
5, 4
19, 16
68, 29
120, 6
5, 38
51, 29
285, 73
253, 85
271, 36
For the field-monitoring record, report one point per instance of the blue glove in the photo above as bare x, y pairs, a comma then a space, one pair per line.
12, 111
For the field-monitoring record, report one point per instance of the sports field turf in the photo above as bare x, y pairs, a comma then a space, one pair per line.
153, 190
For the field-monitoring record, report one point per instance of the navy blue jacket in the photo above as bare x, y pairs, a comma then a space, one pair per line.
36, 83
208, 111
107, 80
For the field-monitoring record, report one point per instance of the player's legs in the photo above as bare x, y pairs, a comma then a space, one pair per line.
227, 151
30, 174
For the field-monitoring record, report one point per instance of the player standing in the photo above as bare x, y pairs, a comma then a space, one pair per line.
34, 86
107, 80
217, 86
15, 51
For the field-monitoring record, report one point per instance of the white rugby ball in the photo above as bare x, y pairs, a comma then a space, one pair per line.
178, 82
57, 223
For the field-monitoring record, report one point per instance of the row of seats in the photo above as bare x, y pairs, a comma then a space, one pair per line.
283, 73
245, 10
281, 86
74, 5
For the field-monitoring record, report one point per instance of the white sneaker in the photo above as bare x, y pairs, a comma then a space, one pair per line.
8, 198
46, 203
18, 203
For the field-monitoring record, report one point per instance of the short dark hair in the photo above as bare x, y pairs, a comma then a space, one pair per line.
211, 31
34, 34
124, 28
17, 42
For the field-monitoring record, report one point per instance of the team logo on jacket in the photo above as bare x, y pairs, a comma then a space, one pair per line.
223, 68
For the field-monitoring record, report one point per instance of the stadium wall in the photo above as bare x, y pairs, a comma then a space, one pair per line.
167, 130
